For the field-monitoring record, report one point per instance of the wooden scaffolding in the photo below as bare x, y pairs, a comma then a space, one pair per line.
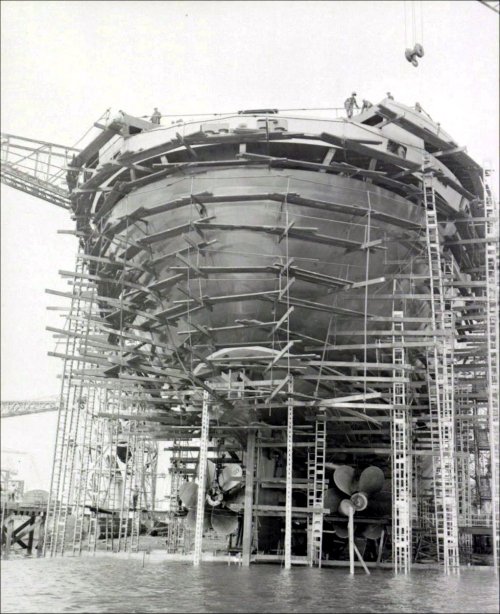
421, 382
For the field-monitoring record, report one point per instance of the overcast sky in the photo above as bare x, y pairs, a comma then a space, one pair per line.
64, 63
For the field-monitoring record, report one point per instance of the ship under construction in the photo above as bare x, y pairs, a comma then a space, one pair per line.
281, 338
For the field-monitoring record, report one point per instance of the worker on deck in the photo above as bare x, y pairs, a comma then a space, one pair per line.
366, 105
418, 108
350, 103
390, 96
155, 118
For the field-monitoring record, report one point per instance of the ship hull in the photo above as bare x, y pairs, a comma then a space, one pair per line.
332, 231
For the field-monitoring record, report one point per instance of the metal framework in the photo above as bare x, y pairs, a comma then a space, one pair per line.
102, 468
37, 168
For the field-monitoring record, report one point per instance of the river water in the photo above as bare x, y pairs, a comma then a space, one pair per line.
108, 584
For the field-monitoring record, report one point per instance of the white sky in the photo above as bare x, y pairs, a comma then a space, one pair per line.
64, 63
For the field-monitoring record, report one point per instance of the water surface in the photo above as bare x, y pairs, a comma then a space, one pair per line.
110, 584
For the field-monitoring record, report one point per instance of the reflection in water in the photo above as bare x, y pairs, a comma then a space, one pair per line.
117, 585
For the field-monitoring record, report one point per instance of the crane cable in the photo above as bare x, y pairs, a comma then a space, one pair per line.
421, 23
413, 48
411, 20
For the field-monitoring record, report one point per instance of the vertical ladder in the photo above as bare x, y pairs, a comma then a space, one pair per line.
401, 458
284, 292
310, 501
110, 476
80, 496
202, 475
289, 475
137, 488
492, 236
441, 401
464, 491
129, 492
463, 442
94, 531
316, 498
86, 433
176, 526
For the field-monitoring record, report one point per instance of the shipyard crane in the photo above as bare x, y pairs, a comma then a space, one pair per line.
40, 168
11, 409
36, 167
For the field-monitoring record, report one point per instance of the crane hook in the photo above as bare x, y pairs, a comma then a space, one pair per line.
412, 54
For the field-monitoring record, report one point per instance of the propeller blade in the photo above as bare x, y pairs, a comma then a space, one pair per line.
188, 494
371, 480
344, 479
190, 520
236, 500
373, 531
210, 474
230, 476
332, 500
224, 522
341, 530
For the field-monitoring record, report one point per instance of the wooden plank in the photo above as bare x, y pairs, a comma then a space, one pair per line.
372, 152
247, 518
191, 266
362, 346
353, 397
165, 257
322, 307
382, 366
280, 354
354, 378
170, 232
390, 333
301, 233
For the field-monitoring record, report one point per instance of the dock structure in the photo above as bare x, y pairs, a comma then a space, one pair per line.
301, 315
22, 521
